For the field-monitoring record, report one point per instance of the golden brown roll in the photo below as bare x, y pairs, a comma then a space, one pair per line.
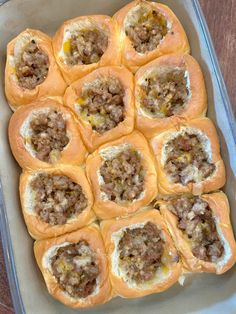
188, 158
55, 201
74, 267
31, 70
168, 91
141, 254
149, 30
123, 176
201, 229
85, 43
43, 134
103, 103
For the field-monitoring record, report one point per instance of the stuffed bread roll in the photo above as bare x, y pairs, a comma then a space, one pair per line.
148, 30
103, 103
201, 229
169, 90
141, 254
123, 176
188, 158
31, 70
74, 267
43, 134
55, 201
85, 43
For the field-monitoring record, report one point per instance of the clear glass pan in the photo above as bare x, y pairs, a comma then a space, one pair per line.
205, 293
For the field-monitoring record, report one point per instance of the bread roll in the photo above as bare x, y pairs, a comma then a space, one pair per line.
25, 83
168, 91
147, 231
85, 43
47, 201
188, 158
112, 170
91, 254
43, 134
149, 30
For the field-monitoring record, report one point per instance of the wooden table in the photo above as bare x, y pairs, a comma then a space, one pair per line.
222, 26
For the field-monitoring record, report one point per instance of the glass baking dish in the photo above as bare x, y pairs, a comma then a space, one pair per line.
201, 293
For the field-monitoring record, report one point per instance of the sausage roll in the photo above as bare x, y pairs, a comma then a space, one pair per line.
169, 90
31, 70
55, 201
85, 43
188, 159
74, 267
104, 105
141, 254
43, 134
123, 176
201, 229
149, 30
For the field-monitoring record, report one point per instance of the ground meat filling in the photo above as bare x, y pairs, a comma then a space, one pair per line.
86, 46
49, 136
165, 94
141, 250
32, 67
75, 269
147, 29
102, 104
196, 220
57, 198
123, 177
187, 160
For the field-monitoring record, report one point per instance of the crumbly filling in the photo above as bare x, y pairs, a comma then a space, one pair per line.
147, 29
165, 94
123, 176
49, 136
141, 250
32, 67
187, 159
102, 104
195, 219
57, 198
76, 269
86, 46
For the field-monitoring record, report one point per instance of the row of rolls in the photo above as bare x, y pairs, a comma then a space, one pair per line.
86, 43
121, 167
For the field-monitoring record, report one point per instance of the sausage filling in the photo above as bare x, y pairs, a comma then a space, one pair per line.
86, 46
196, 220
57, 198
165, 94
147, 29
123, 177
102, 104
32, 67
49, 136
141, 250
187, 159
75, 269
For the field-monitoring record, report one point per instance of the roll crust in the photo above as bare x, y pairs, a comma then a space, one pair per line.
105, 208
196, 106
93, 139
74, 153
39, 229
53, 85
111, 55
119, 284
213, 182
174, 41
219, 205
92, 235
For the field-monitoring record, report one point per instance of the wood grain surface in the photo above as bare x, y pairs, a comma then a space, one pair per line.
220, 18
